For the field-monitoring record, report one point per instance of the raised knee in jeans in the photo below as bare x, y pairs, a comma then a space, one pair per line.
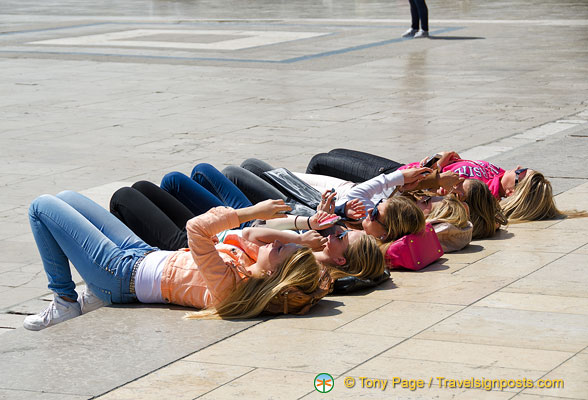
66, 195
203, 169
43, 201
170, 181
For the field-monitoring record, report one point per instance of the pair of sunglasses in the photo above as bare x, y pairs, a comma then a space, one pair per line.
517, 173
375, 213
342, 234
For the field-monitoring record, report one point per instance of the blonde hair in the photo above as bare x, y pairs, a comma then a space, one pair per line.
485, 213
250, 297
402, 217
364, 260
533, 200
450, 210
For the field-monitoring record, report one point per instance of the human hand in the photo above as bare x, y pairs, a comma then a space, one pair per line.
449, 180
327, 203
313, 239
412, 175
447, 157
409, 187
354, 209
458, 190
319, 218
270, 209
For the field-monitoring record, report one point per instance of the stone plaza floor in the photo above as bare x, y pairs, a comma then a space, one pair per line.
97, 95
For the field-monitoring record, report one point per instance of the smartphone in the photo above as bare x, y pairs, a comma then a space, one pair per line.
432, 160
330, 220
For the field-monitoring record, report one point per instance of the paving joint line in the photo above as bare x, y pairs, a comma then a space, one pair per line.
430, 326
533, 135
518, 279
226, 383
183, 357
391, 347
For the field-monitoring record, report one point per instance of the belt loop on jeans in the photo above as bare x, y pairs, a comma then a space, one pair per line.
134, 271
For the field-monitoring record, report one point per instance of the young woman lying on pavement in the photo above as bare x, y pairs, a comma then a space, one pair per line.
385, 219
526, 194
485, 212
118, 267
160, 218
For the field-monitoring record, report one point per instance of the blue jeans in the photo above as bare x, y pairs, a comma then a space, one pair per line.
208, 188
71, 227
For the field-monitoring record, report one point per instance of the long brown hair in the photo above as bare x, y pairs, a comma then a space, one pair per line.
364, 260
402, 217
250, 297
533, 200
450, 210
485, 213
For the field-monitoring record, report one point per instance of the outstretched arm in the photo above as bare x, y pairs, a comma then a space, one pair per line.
268, 209
447, 157
299, 222
262, 236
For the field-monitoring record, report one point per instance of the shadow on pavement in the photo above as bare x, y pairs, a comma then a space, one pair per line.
455, 37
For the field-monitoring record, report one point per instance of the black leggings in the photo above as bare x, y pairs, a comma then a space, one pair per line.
350, 165
153, 214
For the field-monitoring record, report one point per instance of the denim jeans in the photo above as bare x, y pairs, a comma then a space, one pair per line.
71, 227
207, 188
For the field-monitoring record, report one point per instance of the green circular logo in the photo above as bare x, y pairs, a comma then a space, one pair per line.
324, 383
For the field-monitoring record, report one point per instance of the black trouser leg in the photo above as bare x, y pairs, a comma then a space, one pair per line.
414, 14
175, 210
255, 188
384, 165
258, 167
422, 13
147, 220
350, 165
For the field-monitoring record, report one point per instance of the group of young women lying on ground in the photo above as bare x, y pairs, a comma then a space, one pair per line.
233, 245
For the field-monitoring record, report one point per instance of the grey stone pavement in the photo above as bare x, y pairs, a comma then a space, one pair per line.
96, 95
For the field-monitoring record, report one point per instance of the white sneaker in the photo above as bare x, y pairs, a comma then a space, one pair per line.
421, 34
59, 310
409, 33
89, 301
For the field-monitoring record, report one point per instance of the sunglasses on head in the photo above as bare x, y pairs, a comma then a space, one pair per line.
375, 213
517, 173
342, 234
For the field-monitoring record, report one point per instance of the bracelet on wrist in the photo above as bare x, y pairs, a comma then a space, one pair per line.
308, 221
295, 219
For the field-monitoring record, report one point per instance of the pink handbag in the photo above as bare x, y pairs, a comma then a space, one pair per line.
414, 251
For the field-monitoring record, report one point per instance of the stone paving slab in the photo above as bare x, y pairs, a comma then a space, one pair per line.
104, 349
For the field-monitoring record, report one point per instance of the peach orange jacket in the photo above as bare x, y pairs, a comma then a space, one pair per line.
206, 273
